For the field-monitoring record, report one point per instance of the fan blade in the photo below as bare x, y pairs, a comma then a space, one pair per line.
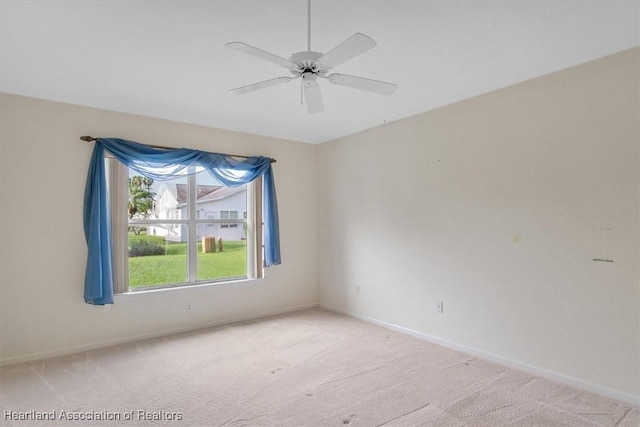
260, 85
376, 86
350, 48
262, 54
313, 97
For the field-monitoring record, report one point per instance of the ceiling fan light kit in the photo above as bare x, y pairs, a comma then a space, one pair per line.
309, 66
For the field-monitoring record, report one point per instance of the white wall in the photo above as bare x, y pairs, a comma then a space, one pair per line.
235, 202
43, 168
496, 206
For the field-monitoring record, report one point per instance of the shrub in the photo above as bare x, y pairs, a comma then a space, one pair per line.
145, 248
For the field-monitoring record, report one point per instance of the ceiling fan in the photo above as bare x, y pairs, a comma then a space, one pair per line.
309, 66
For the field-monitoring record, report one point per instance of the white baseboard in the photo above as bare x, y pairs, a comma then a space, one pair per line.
551, 375
165, 332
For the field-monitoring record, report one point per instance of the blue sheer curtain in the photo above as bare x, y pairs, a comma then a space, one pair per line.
161, 164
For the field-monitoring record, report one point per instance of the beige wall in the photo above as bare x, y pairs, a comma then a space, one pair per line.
43, 173
496, 206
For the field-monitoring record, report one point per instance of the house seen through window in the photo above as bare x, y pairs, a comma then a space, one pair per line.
182, 231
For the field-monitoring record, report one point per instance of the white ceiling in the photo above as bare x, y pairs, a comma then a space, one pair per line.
167, 59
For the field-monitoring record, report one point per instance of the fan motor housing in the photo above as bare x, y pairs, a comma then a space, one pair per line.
306, 62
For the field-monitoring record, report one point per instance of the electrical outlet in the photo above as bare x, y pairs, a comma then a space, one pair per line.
358, 290
188, 306
440, 307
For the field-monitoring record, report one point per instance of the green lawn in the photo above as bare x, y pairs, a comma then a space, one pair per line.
172, 268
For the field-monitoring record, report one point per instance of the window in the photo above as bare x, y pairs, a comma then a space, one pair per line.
183, 231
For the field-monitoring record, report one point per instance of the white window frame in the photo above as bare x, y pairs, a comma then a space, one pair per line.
117, 182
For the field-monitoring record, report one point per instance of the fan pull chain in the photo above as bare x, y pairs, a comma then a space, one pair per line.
301, 95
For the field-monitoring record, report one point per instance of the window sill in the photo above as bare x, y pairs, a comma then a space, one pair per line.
184, 288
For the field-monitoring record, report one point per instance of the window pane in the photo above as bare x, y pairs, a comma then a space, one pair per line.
149, 199
216, 201
214, 264
156, 255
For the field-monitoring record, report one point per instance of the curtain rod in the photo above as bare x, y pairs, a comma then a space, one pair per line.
88, 138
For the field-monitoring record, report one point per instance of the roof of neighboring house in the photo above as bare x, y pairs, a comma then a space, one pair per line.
202, 191
221, 193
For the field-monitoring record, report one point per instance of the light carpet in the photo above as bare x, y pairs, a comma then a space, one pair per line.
308, 368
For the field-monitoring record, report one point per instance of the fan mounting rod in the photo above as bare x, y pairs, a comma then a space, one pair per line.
309, 25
